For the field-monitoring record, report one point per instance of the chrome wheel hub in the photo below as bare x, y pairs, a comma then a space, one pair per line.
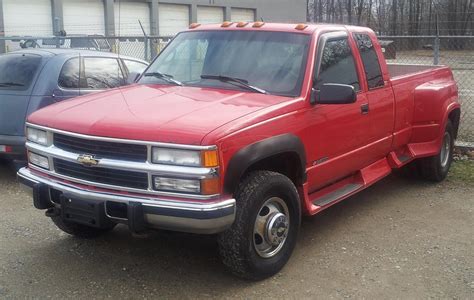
445, 149
271, 227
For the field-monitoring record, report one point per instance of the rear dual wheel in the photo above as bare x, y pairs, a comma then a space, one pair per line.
436, 168
265, 229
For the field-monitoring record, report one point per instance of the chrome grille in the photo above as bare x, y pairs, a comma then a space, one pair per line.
101, 149
130, 179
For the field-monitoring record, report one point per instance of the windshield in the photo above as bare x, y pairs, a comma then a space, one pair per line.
271, 61
18, 70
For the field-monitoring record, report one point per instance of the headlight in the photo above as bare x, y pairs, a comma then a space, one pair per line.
207, 186
38, 160
37, 136
177, 185
180, 157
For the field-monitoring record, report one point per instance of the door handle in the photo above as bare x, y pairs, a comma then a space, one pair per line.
364, 108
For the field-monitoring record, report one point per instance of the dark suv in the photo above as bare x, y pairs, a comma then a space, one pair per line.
32, 79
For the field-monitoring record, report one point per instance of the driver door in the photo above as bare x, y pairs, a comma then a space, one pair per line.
338, 131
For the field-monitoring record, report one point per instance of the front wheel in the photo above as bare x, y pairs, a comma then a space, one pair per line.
264, 233
436, 168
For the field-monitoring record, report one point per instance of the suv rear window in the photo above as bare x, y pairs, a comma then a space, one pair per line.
18, 70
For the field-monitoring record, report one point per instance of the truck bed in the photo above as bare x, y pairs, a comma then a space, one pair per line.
401, 70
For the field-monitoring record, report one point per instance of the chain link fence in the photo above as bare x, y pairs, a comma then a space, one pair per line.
141, 47
454, 51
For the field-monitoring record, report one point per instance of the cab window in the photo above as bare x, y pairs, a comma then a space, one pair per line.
337, 64
370, 60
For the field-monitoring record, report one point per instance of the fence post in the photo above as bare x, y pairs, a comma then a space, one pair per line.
436, 44
57, 24
146, 48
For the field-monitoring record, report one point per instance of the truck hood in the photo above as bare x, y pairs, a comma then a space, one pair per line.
172, 114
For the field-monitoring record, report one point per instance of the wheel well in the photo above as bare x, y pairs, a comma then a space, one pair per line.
288, 164
454, 117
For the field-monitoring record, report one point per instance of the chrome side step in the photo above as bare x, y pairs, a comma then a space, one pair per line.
337, 194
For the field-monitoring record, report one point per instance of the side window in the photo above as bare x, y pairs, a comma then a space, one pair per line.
370, 60
102, 73
69, 76
337, 64
134, 66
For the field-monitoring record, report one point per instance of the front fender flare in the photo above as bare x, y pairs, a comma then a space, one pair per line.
251, 154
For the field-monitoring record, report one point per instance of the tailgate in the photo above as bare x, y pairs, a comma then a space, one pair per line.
13, 113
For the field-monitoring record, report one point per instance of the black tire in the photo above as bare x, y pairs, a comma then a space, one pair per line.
237, 247
436, 168
79, 230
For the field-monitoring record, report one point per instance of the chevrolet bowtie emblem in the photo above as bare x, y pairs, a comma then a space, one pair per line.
87, 160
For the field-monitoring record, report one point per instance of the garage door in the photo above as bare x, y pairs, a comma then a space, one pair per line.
242, 14
127, 15
210, 15
26, 17
173, 18
84, 17
130, 13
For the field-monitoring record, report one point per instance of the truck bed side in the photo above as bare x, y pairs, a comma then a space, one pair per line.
424, 97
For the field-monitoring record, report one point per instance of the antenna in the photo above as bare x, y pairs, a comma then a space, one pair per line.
141, 26
117, 41
80, 65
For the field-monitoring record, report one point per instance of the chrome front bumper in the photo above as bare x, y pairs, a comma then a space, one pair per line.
195, 217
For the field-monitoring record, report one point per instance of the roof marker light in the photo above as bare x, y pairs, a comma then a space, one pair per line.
194, 25
258, 24
226, 24
301, 27
242, 24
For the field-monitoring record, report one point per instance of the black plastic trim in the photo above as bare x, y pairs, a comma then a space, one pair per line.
246, 157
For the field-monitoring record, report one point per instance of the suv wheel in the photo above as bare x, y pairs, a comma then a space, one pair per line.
263, 235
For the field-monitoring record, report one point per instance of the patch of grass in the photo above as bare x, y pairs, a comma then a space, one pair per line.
462, 171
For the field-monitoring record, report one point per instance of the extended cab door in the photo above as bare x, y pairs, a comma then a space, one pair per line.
379, 94
338, 131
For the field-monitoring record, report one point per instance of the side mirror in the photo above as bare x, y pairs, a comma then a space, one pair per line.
333, 93
132, 78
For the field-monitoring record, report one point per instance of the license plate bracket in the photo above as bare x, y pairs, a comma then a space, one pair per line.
86, 212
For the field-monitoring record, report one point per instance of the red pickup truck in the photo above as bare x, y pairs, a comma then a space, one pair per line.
239, 129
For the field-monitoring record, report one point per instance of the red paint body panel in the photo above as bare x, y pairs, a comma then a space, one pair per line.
407, 116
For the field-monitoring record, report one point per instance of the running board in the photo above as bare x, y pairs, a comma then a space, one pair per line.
338, 194
338, 191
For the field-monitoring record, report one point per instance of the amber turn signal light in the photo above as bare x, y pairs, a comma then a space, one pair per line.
210, 186
242, 24
258, 24
210, 158
227, 24
301, 27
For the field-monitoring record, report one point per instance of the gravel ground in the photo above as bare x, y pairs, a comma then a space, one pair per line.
400, 239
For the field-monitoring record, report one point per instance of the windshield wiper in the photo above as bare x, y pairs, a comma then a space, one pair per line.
165, 77
240, 81
6, 84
